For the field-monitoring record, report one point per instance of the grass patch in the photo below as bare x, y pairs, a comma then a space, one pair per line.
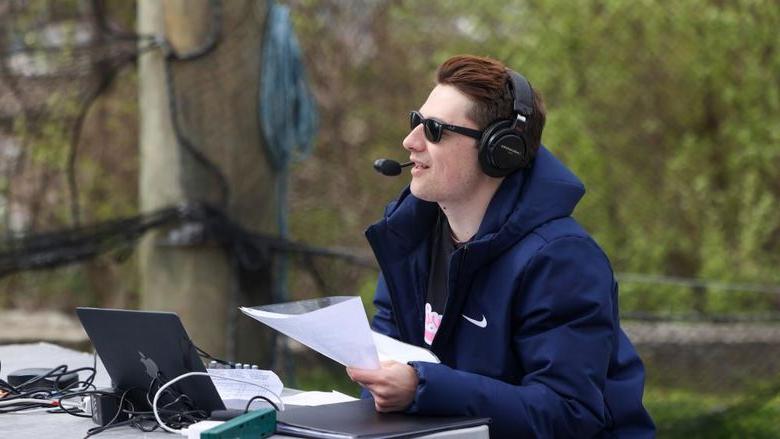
692, 415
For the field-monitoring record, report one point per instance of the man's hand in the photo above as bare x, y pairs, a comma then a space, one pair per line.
393, 385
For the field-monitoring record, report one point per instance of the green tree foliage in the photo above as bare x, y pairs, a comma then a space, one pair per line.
668, 112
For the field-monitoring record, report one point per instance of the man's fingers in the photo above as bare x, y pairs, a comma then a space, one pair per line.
380, 404
368, 376
384, 405
365, 376
358, 374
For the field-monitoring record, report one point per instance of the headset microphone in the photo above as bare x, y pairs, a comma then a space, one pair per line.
389, 167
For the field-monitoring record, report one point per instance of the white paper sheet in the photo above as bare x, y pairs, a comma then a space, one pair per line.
337, 327
317, 398
389, 348
265, 381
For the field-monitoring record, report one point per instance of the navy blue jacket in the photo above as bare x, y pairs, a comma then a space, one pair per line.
551, 360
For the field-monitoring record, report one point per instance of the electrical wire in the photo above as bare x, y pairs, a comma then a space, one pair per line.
165, 427
112, 423
49, 402
205, 354
256, 397
32, 394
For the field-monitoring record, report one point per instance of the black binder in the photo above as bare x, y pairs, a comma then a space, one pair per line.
359, 419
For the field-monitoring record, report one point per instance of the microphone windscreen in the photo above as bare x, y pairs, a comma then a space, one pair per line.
387, 167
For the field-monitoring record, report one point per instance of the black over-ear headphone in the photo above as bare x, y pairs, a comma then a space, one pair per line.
505, 147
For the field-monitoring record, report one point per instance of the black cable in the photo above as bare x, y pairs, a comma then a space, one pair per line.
174, 418
91, 378
212, 39
149, 419
189, 145
25, 395
48, 374
75, 244
112, 423
69, 412
205, 354
25, 406
56, 248
149, 389
77, 370
50, 397
109, 73
246, 409
57, 373
85, 385
97, 430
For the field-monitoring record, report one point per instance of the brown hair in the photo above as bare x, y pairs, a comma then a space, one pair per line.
484, 80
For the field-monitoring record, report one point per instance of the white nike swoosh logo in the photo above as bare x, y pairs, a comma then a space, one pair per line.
481, 323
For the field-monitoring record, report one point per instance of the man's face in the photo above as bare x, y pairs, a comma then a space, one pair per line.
446, 172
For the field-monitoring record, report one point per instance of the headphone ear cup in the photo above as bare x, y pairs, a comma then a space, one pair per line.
502, 150
485, 147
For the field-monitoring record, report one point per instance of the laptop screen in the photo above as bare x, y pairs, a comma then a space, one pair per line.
141, 350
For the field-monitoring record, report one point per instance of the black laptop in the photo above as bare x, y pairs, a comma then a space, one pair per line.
359, 419
138, 346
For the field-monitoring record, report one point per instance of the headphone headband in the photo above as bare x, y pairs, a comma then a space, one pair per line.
522, 93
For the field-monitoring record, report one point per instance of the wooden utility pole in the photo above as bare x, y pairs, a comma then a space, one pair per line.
216, 97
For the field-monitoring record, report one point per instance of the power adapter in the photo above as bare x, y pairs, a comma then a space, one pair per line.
104, 404
20, 377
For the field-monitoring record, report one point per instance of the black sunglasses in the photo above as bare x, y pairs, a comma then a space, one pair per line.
433, 128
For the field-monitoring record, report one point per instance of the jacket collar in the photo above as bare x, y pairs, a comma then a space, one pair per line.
524, 200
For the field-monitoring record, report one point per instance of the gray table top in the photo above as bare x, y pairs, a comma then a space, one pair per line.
39, 424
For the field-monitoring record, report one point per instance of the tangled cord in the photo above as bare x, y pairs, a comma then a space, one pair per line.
172, 428
33, 394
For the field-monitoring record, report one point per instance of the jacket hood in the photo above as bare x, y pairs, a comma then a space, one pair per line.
525, 200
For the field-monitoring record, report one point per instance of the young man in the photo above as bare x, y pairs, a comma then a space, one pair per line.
482, 263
